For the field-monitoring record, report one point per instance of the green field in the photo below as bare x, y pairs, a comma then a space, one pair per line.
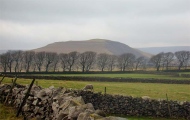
178, 92
126, 75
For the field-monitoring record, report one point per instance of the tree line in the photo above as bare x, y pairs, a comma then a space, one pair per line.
30, 61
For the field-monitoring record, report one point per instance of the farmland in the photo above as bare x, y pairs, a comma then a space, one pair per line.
179, 92
128, 75
157, 91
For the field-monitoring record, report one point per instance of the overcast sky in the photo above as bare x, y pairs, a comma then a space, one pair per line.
28, 24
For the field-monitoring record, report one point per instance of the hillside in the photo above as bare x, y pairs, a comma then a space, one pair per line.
156, 50
96, 45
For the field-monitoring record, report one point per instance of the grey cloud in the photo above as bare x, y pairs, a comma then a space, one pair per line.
19, 43
58, 10
133, 22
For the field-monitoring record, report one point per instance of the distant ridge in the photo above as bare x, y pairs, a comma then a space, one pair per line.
156, 50
96, 45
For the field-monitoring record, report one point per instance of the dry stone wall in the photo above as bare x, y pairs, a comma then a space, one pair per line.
103, 79
64, 104
51, 104
185, 75
127, 105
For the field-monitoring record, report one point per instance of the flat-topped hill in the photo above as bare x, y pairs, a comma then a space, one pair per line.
96, 45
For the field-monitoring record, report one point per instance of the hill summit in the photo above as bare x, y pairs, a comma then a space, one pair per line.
95, 45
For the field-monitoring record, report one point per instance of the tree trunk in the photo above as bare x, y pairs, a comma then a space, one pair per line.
16, 66
158, 68
181, 64
28, 67
47, 66
167, 66
39, 69
70, 68
111, 68
136, 67
10, 66
83, 68
123, 68
5, 68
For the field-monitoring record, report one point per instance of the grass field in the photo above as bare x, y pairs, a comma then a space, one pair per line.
178, 92
128, 75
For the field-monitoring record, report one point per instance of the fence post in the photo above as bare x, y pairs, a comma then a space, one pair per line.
168, 105
2, 79
37, 83
25, 98
10, 91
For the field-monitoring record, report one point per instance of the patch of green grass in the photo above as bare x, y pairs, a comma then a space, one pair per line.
178, 92
146, 118
174, 91
8, 113
150, 118
127, 75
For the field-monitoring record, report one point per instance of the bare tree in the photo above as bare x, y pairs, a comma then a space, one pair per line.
112, 59
63, 59
18, 57
91, 60
157, 60
86, 60
49, 58
126, 60
39, 59
82, 60
10, 59
183, 57
140, 62
4, 61
28, 59
71, 59
187, 63
55, 62
102, 61
167, 59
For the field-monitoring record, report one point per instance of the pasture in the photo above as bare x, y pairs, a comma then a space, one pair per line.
178, 92
125, 75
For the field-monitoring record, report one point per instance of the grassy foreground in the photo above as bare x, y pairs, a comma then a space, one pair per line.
178, 92
157, 91
8, 113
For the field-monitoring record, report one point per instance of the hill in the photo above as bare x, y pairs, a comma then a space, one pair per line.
96, 45
156, 50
